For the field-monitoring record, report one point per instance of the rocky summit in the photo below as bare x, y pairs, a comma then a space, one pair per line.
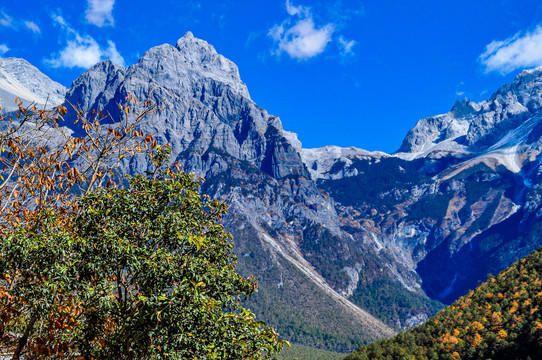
347, 245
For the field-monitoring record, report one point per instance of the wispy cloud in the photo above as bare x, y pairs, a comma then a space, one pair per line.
82, 50
100, 12
32, 26
17, 25
3, 49
299, 36
304, 35
6, 20
300, 10
346, 46
524, 49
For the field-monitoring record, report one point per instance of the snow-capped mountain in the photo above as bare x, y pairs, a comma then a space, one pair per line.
340, 239
461, 197
20, 79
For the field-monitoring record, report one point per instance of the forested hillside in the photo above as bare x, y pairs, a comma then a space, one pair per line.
501, 319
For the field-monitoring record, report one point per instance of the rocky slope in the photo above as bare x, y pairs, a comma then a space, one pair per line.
460, 199
20, 79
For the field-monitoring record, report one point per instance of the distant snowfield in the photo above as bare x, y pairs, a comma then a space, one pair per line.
19, 79
10, 88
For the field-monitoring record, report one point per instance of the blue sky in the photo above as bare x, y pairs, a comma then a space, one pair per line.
348, 73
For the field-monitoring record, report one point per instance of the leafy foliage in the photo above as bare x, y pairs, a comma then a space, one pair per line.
390, 301
42, 163
43, 167
170, 269
501, 319
143, 272
38, 303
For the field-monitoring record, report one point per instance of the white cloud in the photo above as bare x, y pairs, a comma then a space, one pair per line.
112, 53
297, 10
3, 49
346, 46
521, 50
82, 50
59, 20
32, 26
300, 39
99, 12
5, 19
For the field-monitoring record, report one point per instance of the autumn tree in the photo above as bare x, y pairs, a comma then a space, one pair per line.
43, 167
92, 271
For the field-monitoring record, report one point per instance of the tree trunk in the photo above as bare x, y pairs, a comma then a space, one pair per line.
24, 339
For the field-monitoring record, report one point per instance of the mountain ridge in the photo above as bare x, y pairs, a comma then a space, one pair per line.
342, 228
218, 132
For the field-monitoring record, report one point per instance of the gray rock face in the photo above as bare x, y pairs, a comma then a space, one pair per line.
20, 79
97, 86
216, 131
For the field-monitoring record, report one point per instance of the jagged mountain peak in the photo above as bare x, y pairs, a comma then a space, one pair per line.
19, 78
525, 87
477, 127
464, 108
187, 64
200, 56
96, 85
190, 42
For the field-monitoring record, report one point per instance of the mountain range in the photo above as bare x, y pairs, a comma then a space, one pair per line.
348, 245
